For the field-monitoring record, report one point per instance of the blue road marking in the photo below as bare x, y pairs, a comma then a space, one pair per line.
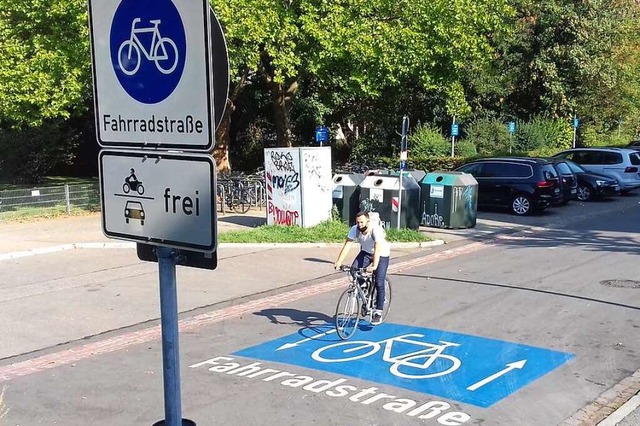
460, 367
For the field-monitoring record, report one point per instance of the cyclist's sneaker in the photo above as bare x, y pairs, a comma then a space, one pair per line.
376, 318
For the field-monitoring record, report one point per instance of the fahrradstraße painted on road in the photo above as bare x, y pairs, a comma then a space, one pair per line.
460, 367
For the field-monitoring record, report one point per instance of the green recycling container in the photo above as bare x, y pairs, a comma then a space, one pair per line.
382, 194
346, 195
449, 200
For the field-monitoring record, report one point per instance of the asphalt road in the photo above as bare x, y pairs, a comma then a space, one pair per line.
532, 324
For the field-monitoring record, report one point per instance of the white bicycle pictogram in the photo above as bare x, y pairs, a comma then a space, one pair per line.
401, 363
158, 51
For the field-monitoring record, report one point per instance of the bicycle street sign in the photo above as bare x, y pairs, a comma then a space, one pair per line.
152, 76
159, 198
464, 368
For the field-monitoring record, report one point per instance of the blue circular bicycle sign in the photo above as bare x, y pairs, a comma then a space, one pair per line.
148, 48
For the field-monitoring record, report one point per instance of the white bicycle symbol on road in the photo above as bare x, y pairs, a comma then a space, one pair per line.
160, 51
401, 363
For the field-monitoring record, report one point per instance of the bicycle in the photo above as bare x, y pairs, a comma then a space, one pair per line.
358, 301
426, 362
163, 51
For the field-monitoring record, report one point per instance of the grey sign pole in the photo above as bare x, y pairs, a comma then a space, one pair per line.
403, 162
170, 340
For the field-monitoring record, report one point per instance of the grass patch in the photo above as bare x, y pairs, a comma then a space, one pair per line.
49, 181
325, 232
26, 214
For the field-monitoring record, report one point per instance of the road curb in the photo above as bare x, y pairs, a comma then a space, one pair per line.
130, 245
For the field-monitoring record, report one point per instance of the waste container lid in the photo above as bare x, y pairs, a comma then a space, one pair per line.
389, 182
347, 179
449, 178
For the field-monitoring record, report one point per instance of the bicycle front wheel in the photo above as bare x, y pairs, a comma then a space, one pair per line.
241, 205
348, 313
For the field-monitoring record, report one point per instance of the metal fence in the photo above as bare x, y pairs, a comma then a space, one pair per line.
85, 196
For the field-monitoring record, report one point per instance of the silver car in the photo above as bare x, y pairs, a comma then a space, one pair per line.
621, 164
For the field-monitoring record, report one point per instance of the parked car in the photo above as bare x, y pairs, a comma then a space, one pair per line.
521, 184
621, 164
634, 145
568, 180
593, 185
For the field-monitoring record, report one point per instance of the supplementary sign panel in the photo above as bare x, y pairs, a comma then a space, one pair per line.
159, 198
459, 367
152, 73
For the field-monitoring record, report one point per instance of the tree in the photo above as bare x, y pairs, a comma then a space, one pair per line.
44, 66
351, 52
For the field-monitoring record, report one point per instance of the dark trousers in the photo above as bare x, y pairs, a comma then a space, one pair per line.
364, 259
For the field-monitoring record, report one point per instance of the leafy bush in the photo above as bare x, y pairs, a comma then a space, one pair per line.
488, 135
368, 148
426, 140
590, 136
543, 134
465, 148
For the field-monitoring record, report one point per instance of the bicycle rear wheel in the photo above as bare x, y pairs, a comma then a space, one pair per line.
348, 313
241, 205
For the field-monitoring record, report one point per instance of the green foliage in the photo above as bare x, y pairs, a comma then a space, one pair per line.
27, 155
465, 148
370, 147
591, 136
427, 140
487, 135
427, 164
335, 214
331, 231
404, 235
45, 68
542, 133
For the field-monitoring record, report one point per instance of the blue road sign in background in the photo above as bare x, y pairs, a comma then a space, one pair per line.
512, 127
148, 48
322, 134
459, 367
455, 129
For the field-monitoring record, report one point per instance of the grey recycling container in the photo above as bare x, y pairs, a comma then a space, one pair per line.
346, 195
449, 200
381, 193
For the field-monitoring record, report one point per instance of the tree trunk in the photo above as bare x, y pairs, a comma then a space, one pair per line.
282, 99
223, 138
221, 149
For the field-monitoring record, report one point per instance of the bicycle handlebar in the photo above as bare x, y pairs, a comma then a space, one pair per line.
358, 271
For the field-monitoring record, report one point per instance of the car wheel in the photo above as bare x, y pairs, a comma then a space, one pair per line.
585, 193
521, 205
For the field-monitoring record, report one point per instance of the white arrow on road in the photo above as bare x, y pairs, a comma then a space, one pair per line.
510, 366
299, 342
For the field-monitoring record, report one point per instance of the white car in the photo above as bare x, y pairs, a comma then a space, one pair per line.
621, 164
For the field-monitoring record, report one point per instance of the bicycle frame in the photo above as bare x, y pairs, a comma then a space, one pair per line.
156, 36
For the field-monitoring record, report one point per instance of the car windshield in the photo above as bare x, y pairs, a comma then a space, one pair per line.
575, 168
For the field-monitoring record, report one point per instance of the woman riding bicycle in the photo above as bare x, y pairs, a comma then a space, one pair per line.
374, 253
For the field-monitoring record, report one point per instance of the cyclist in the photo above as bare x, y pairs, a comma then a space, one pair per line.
374, 255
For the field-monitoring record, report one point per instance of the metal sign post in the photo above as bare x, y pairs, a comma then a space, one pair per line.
170, 340
575, 129
454, 133
403, 162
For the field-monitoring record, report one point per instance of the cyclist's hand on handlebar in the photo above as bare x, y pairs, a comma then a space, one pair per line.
369, 269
